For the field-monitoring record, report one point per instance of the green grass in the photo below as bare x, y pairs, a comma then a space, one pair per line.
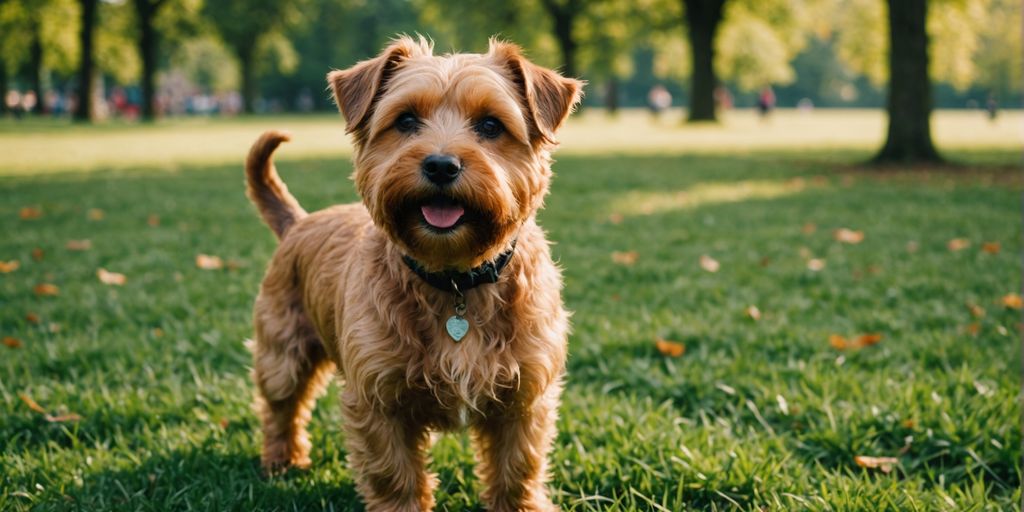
763, 415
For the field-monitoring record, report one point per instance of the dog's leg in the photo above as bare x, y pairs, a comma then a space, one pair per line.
512, 449
387, 453
291, 370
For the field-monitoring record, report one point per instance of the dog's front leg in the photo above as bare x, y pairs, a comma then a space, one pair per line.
387, 454
512, 448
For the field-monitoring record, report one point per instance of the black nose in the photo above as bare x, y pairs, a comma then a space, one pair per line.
441, 169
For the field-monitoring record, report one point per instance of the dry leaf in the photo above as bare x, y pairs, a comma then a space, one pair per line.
153, 220
11, 342
991, 247
958, 244
884, 464
838, 342
976, 310
848, 236
908, 423
913, 246
63, 418
815, 264
1013, 301
866, 340
615, 218
224, 423
53, 327
31, 403
973, 329
157, 332
95, 214
207, 262
233, 264
626, 258
38, 254
6, 267
43, 289
709, 264
669, 348
107, 277
809, 228
32, 318
78, 245
753, 312
30, 212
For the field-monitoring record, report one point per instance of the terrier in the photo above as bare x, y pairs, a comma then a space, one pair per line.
436, 299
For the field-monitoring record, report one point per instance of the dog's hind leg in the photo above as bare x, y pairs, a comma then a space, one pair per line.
291, 370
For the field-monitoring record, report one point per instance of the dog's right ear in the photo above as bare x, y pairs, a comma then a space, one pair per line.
356, 88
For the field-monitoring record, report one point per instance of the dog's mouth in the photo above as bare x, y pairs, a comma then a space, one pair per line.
442, 213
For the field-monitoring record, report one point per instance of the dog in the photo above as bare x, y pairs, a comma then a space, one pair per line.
435, 299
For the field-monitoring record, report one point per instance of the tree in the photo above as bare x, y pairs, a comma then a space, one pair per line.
703, 18
246, 28
563, 15
149, 45
85, 110
909, 136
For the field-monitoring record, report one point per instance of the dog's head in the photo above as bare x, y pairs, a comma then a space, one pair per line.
452, 152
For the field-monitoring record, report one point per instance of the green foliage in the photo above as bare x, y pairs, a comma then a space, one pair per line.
55, 22
116, 52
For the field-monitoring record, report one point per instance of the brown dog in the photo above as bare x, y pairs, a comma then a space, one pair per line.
436, 299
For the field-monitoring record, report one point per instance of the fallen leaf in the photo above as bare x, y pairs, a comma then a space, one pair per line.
958, 244
153, 220
866, 340
626, 258
32, 318
1013, 301
908, 423
804, 252
233, 264
753, 312
838, 342
709, 264
95, 214
765, 261
224, 423
976, 310
11, 342
815, 264
78, 245
973, 329
884, 464
848, 236
38, 254
108, 277
913, 246
30, 212
991, 247
669, 348
157, 332
6, 267
615, 218
63, 418
46, 289
809, 228
207, 262
53, 327
31, 403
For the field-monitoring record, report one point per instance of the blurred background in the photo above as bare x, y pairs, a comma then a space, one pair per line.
138, 60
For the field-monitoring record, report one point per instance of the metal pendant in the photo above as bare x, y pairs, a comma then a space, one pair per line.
457, 325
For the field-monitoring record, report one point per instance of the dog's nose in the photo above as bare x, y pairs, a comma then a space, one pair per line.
441, 169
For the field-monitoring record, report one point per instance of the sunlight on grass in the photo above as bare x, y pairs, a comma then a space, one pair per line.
645, 202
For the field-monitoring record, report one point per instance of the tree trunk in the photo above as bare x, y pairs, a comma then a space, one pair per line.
910, 102
84, 112
562, 18
702, 20
611, 95
3, 88
148, 49
36, 68
247, 62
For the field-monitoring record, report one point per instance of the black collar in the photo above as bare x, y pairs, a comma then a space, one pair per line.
486, 273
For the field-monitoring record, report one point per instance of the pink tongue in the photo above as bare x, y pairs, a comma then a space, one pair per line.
442, 216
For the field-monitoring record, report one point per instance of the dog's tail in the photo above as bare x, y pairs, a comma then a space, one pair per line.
264, 187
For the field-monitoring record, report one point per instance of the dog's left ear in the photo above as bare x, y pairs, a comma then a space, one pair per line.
549, 96
355, 89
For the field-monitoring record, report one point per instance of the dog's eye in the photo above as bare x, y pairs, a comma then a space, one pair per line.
490, 128
407, 123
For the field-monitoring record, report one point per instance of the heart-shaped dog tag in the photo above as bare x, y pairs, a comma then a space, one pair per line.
457, 327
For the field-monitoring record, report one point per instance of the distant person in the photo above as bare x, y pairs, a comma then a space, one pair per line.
13, 102
766, 101
658, 100
992, 107
723, 98
805, 105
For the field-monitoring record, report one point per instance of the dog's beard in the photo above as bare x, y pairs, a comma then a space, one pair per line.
471, 236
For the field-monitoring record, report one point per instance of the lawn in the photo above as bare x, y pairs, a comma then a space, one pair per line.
766, 413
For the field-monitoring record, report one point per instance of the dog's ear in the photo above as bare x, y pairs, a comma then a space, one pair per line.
549, 96
356, 88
